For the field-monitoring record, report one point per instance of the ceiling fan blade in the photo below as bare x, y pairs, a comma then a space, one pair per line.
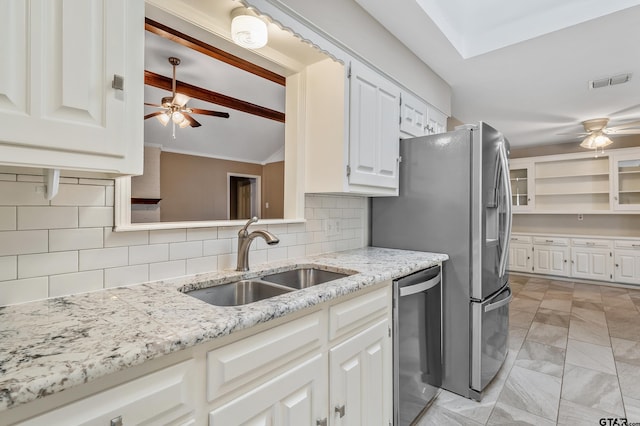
629, 125
625, 132
573, 134
208, 112
180, 99
153, 114
153, 105
192, 121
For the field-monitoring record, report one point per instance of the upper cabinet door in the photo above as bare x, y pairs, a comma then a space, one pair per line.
626, 178
374, 130
59, 104
436, 121
413, 116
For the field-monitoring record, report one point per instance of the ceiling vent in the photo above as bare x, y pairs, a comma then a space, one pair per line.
609, 81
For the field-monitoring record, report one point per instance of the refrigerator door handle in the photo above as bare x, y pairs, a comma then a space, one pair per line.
423, 286
493, 306
507, 186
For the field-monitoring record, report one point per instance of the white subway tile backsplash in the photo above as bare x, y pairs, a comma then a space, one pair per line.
22, 194
75, 239
69, 247
202, 234
23, 242
214, 247
8, 221
167, 236
148, 254
37, 265
164, 270
276, 254
8, 268
103, 258
19, 291
128, 238
202, 264
93, 217
47, 217
185, 250
78, 282
79, 195
126, 275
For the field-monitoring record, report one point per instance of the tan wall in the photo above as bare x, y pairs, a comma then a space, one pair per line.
273, 190
147, 185
195, 188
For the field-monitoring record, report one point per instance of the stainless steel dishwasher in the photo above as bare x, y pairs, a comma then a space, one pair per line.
417, 343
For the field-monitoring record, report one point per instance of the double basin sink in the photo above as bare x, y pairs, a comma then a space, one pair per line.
255, 289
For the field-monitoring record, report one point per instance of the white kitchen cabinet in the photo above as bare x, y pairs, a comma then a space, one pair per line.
627, 261
297, 397
351, 130
626, 181
360, 378
591, 259
436, 121
413, 116
163, 397
520, 253
551, 256
58, 108
522, 185
374, 131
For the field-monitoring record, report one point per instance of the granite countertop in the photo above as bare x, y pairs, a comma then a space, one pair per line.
51, 345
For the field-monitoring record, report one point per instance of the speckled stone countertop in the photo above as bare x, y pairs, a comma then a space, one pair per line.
51, 345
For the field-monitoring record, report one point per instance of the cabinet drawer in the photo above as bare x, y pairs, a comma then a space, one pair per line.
627, 244
241, 362
157, 398
355, 313
581, 242
551, 241
520, 239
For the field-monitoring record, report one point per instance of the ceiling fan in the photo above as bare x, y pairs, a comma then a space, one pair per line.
597, 133
174, 108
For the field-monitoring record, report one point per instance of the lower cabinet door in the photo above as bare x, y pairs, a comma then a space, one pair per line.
520, 257
593, 264
295, 398
551, 260
627, 266
360, 378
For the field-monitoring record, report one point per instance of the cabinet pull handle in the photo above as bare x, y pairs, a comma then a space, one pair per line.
117, 82
322, 422
635, 245
340, 410
548, 241
590, 243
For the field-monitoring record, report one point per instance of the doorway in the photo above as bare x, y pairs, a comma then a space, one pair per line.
243, 200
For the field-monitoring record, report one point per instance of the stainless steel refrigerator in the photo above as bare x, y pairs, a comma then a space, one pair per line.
455, 198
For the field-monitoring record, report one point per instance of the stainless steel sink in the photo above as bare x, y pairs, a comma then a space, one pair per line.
238, 293
303, 277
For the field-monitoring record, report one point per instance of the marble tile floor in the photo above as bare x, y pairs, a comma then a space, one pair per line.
574, 358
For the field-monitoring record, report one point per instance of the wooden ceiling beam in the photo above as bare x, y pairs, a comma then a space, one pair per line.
162, 82
202, 47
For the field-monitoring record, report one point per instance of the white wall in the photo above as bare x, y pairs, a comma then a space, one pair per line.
67, 246
352, 26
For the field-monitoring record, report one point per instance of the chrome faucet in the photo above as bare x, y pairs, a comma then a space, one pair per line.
244, 242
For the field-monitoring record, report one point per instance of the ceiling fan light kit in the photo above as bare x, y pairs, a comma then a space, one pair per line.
247, 29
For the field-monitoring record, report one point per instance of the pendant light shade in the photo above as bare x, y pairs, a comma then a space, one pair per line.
596, 140
247, 30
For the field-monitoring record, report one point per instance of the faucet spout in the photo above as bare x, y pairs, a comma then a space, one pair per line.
245, 239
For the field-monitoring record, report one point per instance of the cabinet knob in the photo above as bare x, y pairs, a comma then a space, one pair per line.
340, 410
116, 421
117, 82
565, 261
617, 265
322, 422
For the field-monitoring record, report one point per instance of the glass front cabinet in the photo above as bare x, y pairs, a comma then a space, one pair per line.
626, 171
521, 176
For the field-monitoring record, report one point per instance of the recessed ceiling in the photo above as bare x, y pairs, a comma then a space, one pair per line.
475, 27
538, 88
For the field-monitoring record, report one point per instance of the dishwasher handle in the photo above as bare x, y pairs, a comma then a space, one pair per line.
420, 287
